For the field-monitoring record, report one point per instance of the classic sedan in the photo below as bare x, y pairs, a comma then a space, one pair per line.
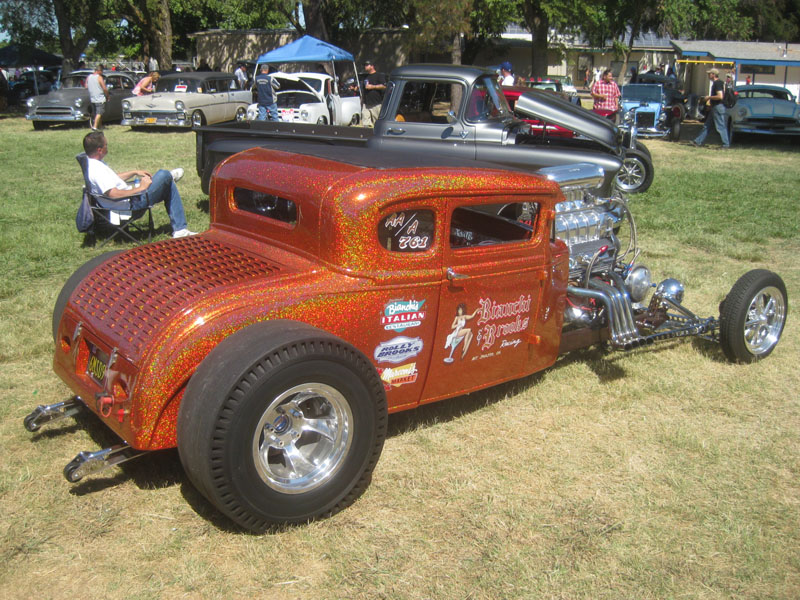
188, 100
765, 110
70, 103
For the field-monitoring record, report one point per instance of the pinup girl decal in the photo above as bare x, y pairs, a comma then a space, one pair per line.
460, 332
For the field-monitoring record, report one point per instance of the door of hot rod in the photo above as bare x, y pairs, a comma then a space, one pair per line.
498, 269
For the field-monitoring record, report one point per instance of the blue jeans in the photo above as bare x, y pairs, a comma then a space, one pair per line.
716, 118
272, 109
163, 189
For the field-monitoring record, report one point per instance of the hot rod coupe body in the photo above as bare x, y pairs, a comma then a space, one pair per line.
338, 285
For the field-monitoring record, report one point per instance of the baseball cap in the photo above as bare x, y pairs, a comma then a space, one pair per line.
369, 62
714, 71
507, 66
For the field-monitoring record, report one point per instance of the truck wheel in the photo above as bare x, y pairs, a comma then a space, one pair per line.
752, 316
39, 125
282, 423
636, 173
72, 283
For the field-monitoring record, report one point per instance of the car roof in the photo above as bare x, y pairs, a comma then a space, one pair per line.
199, 75
441, 71
761, 86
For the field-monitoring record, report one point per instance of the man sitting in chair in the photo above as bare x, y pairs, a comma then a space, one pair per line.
159, 187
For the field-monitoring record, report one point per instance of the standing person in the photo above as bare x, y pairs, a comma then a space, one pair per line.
716, 116
506, 73
160, 187
241, 76
152, 64
266, 87
147, 84
605, 93
374, 88
98, 92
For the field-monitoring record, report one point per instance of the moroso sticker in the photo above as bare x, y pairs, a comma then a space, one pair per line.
398, 349
397, 376
399, 315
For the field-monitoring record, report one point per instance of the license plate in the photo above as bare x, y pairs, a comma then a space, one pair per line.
150, 120
96, 367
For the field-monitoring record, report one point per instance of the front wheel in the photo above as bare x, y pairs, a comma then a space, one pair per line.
636, 174
752, 316
675, 131
241, 114
198, 120
282, 423
40, 125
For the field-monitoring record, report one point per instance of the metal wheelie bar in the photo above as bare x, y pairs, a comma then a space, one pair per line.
86, 463
53, 412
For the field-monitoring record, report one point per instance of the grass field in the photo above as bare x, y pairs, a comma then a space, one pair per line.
661, 473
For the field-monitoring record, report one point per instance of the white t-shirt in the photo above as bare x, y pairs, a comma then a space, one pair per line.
102, 178
96, 93
507, 80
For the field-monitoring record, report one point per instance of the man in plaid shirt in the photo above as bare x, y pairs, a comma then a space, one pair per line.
606, 92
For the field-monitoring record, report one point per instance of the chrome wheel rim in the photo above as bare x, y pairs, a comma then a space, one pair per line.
197, 119
631, 175
764, 321
302, 438
241, 115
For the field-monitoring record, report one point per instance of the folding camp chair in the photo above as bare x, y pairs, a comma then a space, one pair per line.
114, 217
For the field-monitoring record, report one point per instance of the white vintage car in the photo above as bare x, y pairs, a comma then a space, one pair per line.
188, 100
309, 98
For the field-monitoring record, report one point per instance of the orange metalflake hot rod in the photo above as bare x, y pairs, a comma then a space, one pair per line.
337, 285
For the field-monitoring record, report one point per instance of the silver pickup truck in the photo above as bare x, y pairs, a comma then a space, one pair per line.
457, 111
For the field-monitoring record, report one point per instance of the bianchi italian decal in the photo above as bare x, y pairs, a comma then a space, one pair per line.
399, 315
398, 349
397, 376
492, 321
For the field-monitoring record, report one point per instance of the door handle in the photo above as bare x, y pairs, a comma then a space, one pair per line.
394, 131
453, 276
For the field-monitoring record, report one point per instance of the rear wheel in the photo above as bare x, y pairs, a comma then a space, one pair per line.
282, 423
752, 316
636, 174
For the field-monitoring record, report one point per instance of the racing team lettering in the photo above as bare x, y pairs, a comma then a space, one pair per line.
515, 316
399, 315
407, 231
398, 349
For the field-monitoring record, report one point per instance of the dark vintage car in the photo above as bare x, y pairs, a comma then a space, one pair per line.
70, 103
337, 285
29, 84
764, 110
672, 88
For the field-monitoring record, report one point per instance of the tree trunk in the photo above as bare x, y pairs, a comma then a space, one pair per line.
315, 23
538, 24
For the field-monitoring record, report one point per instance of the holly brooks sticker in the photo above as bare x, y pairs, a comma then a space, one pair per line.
397, 376
399, 315
398, 349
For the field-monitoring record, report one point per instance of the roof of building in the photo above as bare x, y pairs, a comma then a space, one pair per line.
749, 53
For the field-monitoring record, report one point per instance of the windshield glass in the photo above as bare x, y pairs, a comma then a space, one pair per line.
487, 101
179, 84
74, 81
642, 92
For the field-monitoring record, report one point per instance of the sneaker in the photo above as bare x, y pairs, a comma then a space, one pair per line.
695, 144
176, 174
183, 233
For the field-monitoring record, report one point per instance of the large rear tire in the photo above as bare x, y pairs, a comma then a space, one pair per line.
282, 423
752, 316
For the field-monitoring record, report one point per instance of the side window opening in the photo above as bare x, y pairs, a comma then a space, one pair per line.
429, 101
492, 224
265, 205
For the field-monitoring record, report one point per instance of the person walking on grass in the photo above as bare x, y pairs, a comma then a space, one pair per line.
716, 116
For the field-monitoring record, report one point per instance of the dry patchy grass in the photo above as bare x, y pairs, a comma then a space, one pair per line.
660, 473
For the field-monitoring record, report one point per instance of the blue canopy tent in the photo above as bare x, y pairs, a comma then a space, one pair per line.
308, 49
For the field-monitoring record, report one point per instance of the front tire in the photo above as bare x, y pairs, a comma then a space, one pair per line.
198, 120
282, 423
241, 115
752, 316
636, 174
675, 131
